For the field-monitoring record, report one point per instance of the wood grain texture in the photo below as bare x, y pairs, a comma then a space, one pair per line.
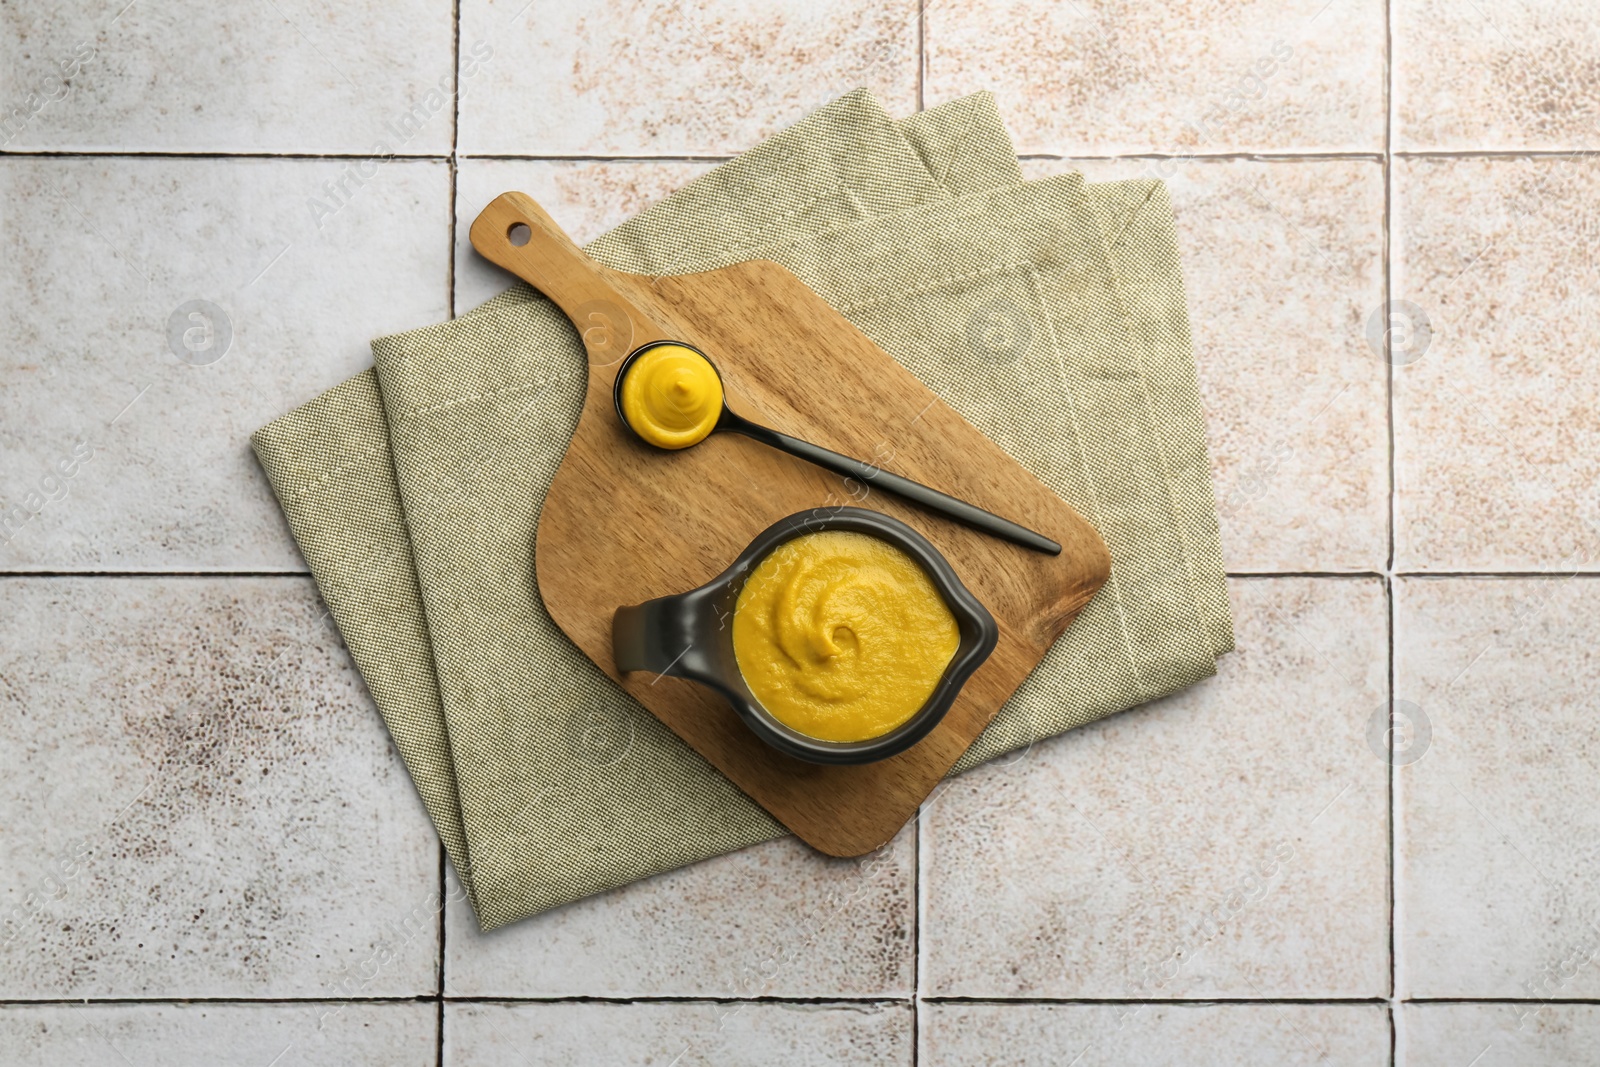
624, 523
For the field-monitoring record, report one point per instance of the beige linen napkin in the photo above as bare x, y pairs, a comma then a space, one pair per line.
568, 787
1135, 220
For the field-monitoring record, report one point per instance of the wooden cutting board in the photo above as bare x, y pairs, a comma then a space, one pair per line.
624, 523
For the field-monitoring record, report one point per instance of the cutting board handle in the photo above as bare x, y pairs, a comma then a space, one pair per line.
515, 233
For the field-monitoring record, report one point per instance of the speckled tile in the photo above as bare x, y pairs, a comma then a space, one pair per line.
1497, 832
202, 818
1109, 77
1282, 263
328, 1034
1500, 1035
200, 800
586, 198
281, 76
1230, 841
1153, 1035
1497, 442
125, 405
773, 920
1473, 76
645, 77
773, 1035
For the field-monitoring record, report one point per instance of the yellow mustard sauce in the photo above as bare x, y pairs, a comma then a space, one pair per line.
671, 396
842, 636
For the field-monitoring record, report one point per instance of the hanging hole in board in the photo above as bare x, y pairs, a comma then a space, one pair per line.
519, 234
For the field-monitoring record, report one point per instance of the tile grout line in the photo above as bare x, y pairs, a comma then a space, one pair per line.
439, 1035
916, 823
1132, 157
884, 1001
438, 977
917, 919
1388, 285
1396, 1052
922, 58
429, 999
450, 296
1393, 839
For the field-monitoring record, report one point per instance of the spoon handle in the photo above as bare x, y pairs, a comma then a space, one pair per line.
516, 233
877, 477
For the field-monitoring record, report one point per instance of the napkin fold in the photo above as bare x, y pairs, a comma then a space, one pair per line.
1050, 314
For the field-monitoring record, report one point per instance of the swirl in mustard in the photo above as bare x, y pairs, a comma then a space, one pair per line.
842, 636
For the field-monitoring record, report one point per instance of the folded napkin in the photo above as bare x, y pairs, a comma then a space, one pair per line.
1050, 314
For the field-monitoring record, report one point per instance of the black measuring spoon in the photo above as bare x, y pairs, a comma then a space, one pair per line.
729, 421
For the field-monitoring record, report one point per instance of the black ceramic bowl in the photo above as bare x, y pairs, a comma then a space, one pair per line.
690, 636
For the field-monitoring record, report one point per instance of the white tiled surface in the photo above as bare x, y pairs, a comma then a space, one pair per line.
198, 801
1204, 76
1210, 845
1496, 442
210, 852
1500, 832
648, 78
307, 1034
1501, 1035
776, 920
1287, 261
279, 76
105, 251
1153, 1035
1517, 75
707, 1032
